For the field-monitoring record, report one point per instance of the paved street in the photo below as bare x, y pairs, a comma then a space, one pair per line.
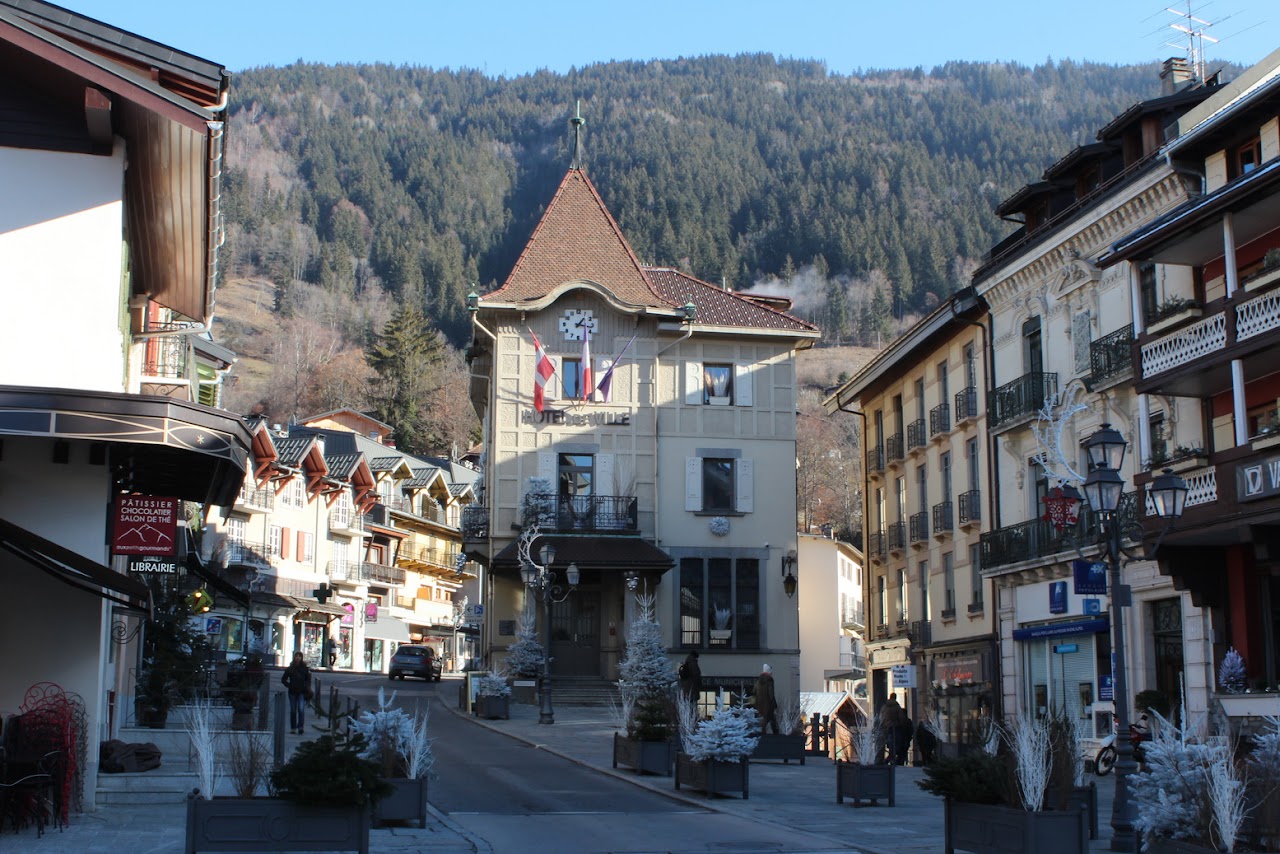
515, 785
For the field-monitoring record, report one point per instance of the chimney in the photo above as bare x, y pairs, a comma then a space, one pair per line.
1175, 73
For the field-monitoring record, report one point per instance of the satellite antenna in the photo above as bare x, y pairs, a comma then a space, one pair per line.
1192, 29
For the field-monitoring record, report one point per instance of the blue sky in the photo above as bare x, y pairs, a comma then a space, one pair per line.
512, 37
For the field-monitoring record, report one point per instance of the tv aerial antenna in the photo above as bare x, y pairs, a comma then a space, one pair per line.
1193, 36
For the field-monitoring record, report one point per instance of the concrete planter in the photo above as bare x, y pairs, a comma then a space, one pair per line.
1249, 705
865, 782
646, 757
713, 776
784, 747
493, 708
1079, 798
994, 829
408, 802
273, 824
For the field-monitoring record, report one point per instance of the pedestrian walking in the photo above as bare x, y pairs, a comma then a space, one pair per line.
904, 739
297, 678
888, 721
766, 699
691, 677
927, 742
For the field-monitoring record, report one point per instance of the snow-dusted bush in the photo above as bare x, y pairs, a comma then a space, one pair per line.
647, 676
1231, 673
729, 735
394, 739
526, 655
492, 685
538, 504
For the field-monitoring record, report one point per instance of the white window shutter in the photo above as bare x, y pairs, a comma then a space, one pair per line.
552, 389
603, 484
742, 385
744, 471
547, 466
693, 483
693, 384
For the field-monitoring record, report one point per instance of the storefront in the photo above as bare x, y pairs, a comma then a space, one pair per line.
961, 693
382, 634
1066, 667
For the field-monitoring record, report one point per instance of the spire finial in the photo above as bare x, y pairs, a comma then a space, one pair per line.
577, 121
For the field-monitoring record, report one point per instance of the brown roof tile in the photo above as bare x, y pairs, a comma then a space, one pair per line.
718, 307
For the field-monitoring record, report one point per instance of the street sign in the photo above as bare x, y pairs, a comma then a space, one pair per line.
904, 675
474, 610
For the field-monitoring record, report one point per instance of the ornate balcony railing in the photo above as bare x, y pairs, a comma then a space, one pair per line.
263, 498
1185, 345
876, 545
475, 521
1038, 538
588, 512
940, 419
966, 404
943, 518
970, 507
247, 554
1111, 356
166, 356
916, 436
919, 527
897, 536
1021, 398
381, 573
875, 460
1202, 488
921, 633
1258, 315
893, 448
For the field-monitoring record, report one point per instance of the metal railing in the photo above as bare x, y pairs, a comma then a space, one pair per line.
421, 507
893, 448
343, 570
1111, 356
897, 536
588, 512
264, 497
921, 633
166, 357
940, 419
1021, 398
875, 460
252, 554
916, 437
1038, 538
919, 526
381, 573
853, 661
943, 517
876, 545
853, 616
966, 404
475, 521
970, 506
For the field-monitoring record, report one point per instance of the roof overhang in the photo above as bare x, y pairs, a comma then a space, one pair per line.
158, 446
595, 553
596, 288
75, 569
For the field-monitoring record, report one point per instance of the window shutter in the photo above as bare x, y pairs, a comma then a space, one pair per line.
551, 391
742, 395
547, 466
693, 386
744, 471
285, 541
302, 545
603, 483
693, 483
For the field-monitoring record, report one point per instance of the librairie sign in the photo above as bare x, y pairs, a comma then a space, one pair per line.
145, 525
154, 566
1258, 480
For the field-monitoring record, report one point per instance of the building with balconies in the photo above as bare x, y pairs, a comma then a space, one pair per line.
926, 600
833, 626
644, 422
1059, 332
1206, 364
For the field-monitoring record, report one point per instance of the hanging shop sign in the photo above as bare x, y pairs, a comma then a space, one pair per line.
1090, 577
371, 612
145, 525
155, 565
1058, 597
1258, 480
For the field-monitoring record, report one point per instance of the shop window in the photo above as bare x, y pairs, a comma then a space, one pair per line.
720, 603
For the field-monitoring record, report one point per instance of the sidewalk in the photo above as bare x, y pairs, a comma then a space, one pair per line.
799, 797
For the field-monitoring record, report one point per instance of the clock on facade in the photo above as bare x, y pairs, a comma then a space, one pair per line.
576, 323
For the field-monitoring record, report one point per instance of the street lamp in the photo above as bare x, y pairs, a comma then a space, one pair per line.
541, 581
1103, 488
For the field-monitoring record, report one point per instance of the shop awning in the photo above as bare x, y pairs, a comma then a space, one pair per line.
387, 628
315, 607
1057, 630
75, 569
596, 552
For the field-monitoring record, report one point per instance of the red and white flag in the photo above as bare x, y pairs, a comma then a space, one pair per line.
544, 371
588, 385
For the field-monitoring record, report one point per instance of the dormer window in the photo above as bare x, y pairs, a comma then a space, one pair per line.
1245, 158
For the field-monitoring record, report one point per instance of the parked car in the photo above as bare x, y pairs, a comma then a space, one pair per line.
420, 661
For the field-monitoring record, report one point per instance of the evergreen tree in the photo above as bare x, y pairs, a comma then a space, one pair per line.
407, 355
647, 677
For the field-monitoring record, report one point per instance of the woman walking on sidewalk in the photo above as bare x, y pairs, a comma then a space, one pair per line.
297, 678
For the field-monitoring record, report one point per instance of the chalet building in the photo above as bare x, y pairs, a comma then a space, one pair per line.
928, 610
111, 144
833, 656
1060, 333
653, 448
1203, 285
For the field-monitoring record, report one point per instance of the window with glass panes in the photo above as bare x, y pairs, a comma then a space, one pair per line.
975, 572
719, 595
949, 581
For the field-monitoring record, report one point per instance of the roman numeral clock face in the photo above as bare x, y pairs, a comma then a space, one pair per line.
576, 323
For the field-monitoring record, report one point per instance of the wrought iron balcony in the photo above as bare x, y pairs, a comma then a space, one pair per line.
976, 607
916, 437
1111, 356
921, 633
919, 527
855, 661
256, 500
897, 536
475, 521
971, 507
588, 512
940, 420
381, 573
247, 554
1021, 398
966, 404
876, 545
893, 448
875, 460
943, 518
167, 356
853, 617
1039, 539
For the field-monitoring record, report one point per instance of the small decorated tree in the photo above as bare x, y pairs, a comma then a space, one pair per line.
730, 735
1231, 673
525, 657
647, 678
394, 739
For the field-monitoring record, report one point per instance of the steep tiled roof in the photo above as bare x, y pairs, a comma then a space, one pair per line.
718, 307
423, 476
289, 452
384, 463
341, 465
577, 238
459, 488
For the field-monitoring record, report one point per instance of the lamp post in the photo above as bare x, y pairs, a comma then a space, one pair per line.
1103, 488
541, 581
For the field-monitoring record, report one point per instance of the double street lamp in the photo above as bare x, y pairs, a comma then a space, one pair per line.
541, 581
1103, 488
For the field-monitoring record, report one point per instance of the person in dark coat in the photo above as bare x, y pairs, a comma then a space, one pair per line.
927, 742
297, 678
903, 740
888, 721
691, 677
766, 700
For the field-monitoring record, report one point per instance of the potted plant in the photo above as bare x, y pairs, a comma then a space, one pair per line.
715, 751
789, 742
1185, 458
174, 660
996, 802
1236, 700
862, 777
1267, 274
525, 658
493, 697
1171, 312
648, 707
720, 624
322, 800
398, 743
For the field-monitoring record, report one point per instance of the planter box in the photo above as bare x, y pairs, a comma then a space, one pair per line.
1183, 464
1176, 846
1263, 280
992, 829
784, 747
713, 776
1080, 798
647, 757
1268, 441
1249, 705
272, 824
493, 708
865, 782
407, 803
1174, 320
524, 691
